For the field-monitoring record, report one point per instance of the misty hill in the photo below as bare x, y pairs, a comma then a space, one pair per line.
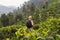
5, 9
35, 2
38, 2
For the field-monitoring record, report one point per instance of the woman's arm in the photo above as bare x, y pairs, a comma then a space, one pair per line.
32, 22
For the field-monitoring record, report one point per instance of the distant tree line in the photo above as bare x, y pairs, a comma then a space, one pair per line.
10, 19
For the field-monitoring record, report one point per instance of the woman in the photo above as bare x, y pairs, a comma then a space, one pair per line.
29, 23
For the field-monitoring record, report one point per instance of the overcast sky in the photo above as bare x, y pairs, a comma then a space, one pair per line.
15, 3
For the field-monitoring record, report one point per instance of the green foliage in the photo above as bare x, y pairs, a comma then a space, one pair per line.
4, 20
8, 32
11, 18
46, 27
47, 30
36, 16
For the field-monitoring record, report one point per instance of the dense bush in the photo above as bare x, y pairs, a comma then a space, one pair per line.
47, 30
8, 32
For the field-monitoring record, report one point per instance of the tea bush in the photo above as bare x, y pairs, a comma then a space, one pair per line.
47, 30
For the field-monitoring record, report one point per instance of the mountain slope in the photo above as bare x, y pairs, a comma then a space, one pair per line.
4, 9
38, 2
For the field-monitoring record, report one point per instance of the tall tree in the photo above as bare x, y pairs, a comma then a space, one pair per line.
32, 8
4, 20
11, 18
18, 17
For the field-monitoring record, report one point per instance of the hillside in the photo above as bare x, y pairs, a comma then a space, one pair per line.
43, 31
38, 2
44, 22
5, 9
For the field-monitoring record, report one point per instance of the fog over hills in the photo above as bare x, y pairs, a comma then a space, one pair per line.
38, 2
5, 9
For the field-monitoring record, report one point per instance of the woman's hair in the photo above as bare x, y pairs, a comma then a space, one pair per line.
30, 17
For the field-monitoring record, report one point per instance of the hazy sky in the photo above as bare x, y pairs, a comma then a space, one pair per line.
12, 2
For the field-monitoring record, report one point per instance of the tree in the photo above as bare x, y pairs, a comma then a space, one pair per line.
32, 9
24, 9
0, 23
18, 17
36, 16
4, 20
11, 18
28, 9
